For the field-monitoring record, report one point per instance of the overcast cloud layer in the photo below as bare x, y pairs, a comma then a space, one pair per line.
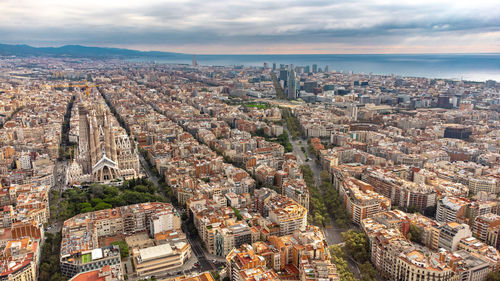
257, 26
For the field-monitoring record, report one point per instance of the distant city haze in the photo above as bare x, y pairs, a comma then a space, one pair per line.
258, 27
475, 67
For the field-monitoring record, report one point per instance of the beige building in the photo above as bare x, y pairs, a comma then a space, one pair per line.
451, 234
25, 271
418, 265
160, 258
19, 260
361, 201
288, 214
486, 184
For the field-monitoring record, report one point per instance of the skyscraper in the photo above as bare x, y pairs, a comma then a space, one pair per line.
284, 76
292, 84
326, 68
352, 112
274, 66
195, 63
315, 68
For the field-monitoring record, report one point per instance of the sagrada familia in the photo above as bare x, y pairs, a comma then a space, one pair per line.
104, 154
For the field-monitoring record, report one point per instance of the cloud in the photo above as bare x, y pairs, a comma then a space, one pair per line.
255, 26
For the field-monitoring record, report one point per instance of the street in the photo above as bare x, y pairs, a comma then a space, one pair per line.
301, 157
59, 185
147, 169
204, 264
333, 233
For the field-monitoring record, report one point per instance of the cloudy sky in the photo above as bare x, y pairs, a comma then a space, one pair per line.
257, 26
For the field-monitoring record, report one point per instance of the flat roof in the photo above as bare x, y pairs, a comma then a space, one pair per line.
155, 252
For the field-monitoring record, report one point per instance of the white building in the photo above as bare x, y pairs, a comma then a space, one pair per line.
451, 234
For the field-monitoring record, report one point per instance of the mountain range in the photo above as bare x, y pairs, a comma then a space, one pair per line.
82, 51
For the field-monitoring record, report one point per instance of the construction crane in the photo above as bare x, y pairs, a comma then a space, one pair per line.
86, 86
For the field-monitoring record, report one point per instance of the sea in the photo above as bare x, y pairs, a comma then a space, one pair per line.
470, 67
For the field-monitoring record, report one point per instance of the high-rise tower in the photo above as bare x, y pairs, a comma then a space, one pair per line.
292, 84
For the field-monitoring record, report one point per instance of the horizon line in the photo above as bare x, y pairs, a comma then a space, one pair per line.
253, 54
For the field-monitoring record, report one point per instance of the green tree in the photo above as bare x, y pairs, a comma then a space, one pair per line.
97, 190
111, 191
338, 258
102, 206
141, 188
325, 176
368, 272
124, 249
49, 269
57, 277
356, 245
84, 205
493, 276
95, 201
237, 214
415, 234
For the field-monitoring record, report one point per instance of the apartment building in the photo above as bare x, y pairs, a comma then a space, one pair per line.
429, 228
80, 247
418, 264
361, 201
451, 234
478, 248
484, 222
90, 259
20, 260
450, 208
417, 196
466, 266
288, 214
242, 258
318, 271
230, 237
493, 237
106, 273
297, 190
486, 184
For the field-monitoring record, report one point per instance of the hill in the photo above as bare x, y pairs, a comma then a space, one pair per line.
81, 51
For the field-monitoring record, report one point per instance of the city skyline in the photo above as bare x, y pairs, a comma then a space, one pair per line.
113, 169
294, 140
256, 27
